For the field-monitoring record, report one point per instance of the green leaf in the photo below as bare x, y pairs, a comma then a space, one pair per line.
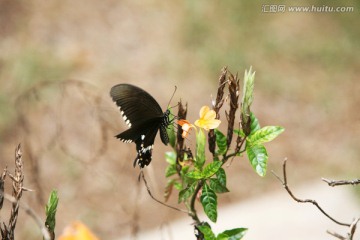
168, 188
239, 132
233, 234
170, 170
50, 211
177, 185
216, 185
221, 176
171, 133
184, 170
195, 174
200, 149
207, 232
170, 157
258, 158
211, 169
265, 134
186, 192
221, 142
254, 123
208, 200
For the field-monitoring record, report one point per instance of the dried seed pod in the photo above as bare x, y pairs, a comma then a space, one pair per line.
234, 105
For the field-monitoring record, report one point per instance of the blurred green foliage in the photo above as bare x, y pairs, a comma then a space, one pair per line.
23, 70
238, 33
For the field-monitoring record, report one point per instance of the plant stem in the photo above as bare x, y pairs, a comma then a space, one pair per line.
192, 212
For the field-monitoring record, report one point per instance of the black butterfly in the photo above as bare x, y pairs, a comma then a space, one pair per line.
144, 116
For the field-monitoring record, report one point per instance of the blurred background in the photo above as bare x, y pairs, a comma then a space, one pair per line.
59, 59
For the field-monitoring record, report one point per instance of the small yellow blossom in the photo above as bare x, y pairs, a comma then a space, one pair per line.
207, 119
185, 126
77, 231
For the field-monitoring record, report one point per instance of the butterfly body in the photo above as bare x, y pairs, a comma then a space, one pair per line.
145, 118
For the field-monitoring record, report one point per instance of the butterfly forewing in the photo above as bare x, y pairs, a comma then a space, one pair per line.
144, 116
135, 104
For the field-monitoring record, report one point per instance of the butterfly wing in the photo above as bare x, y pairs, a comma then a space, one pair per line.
144, 136
136, 105
144, 116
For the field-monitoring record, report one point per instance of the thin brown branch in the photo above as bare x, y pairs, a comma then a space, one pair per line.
350, 235
338, 236
353, 228
333, 183
285, 185
152, 196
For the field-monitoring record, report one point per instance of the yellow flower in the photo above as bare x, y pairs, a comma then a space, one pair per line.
77, 231
185, 126
207, 119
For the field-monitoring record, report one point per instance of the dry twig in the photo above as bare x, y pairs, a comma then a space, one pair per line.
333, 183
352, 226
152, 196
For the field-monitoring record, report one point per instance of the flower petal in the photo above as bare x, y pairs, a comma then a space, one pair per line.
181, 122
207, 119
203, 111
210, 115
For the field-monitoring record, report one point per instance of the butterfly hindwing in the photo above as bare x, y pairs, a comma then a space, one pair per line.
144, 146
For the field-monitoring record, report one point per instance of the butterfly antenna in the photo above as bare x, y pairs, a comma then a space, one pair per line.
172, 97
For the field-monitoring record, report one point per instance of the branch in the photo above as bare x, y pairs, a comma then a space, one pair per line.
285, 185
31, 213
333, 183
350, 235
193, 213
162, 203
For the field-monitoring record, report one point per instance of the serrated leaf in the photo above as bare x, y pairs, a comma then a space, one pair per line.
207, 232
265, 134
232, 234
221, 142
258, 158
208, 200
194, 174
200, 149
170, 170
211, 169
170, 157
217, 186
186, 192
